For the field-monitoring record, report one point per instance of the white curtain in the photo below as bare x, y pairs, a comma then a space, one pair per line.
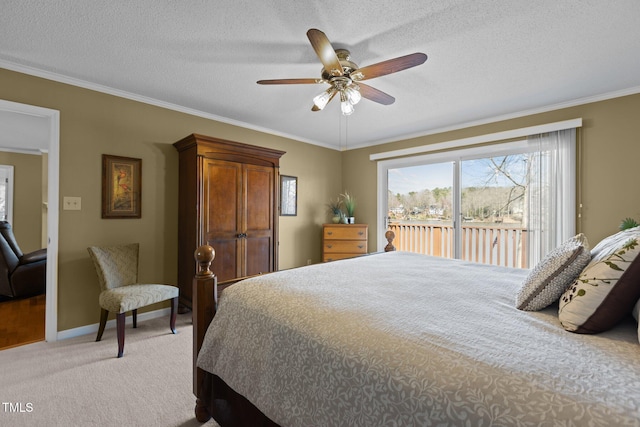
551, 196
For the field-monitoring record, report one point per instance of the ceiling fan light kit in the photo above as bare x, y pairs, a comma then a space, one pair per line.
343, 75
345, 104
349, 95
321, 100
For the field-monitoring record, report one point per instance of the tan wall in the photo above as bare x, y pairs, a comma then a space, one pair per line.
27, 198
610, 152
92, 124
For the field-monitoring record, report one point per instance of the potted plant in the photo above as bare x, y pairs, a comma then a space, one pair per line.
628, 223
335, 210
349, 203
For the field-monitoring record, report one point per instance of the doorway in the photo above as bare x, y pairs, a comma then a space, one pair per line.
25, 128
23, 205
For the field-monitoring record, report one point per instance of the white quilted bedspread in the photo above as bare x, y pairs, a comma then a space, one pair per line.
400, 339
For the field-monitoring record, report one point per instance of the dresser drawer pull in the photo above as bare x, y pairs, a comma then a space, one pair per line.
329, 246
360, 246
360, 233
329, 233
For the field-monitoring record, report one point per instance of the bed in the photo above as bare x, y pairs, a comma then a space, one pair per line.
402, 339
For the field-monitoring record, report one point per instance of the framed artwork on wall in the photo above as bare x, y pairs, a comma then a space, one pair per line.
121, 187
288, 195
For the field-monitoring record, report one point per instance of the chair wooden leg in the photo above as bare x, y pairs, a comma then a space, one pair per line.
103, 322
174, 312
134, 315
120, 319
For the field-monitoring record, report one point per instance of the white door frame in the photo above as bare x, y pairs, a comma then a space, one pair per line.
8, 193
53, 119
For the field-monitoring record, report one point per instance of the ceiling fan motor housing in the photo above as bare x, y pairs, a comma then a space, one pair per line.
344, 57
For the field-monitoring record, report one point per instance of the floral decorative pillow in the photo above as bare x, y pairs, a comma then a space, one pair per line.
607, 289
553, 275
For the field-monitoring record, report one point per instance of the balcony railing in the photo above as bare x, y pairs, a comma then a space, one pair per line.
499, 244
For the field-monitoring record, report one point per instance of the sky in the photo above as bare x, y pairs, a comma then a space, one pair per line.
417, 178
440, 175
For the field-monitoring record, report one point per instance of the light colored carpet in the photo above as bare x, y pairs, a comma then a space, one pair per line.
80, 382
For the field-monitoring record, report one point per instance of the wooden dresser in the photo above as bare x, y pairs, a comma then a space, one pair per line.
341, 241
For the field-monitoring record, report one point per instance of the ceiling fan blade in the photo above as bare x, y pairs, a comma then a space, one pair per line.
390, 66
289, 81
375, 95
325, 52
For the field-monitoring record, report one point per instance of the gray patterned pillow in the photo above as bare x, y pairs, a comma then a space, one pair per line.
607, 289
553, 275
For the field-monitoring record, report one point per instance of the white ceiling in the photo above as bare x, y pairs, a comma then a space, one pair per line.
488, 59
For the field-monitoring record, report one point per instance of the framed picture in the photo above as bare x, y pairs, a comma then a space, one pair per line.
288, 195
121, 187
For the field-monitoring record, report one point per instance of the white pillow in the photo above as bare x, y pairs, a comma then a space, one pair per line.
607, 289
552, 276
611, 242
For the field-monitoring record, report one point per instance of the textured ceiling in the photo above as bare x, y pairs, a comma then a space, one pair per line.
488, 59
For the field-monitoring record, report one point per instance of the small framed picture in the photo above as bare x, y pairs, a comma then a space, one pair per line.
288, 195
121, 187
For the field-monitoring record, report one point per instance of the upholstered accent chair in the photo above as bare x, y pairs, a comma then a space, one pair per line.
117, 269
21, 275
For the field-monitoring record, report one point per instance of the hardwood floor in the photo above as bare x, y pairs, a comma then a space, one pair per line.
22, 321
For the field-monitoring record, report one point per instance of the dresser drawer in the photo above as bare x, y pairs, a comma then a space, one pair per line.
345, 232
334, 257
348, 246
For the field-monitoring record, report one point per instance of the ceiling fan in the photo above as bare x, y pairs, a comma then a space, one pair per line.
344, 76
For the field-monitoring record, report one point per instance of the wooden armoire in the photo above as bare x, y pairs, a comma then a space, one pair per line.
228, 198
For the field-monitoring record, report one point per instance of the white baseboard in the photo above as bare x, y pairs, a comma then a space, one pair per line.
92, 329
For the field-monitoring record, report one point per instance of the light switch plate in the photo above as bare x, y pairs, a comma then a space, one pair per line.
71, 203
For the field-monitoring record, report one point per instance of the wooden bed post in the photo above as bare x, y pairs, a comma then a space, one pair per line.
205, 303
389, 235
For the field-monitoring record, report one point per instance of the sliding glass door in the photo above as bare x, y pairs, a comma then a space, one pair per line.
505, 204
493, 212
420, 208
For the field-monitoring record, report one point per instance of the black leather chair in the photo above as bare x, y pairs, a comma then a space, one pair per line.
21, 275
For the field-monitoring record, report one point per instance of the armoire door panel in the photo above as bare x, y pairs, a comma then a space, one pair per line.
258, 255
259, 197
225, 264
222, 209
